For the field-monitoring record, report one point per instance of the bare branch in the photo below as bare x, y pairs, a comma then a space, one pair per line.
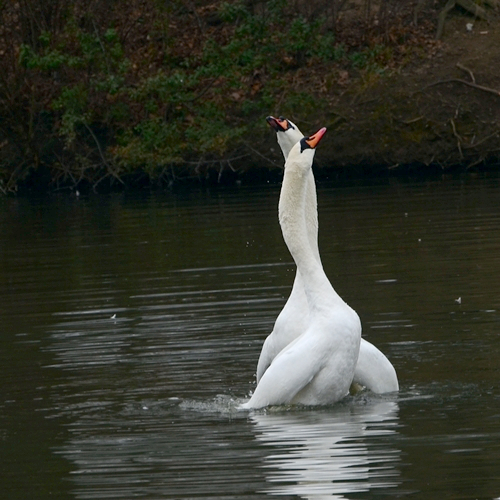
459, 139
464, 82
471, 74
260, 154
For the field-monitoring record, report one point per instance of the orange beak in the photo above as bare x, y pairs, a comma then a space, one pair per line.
313, 140
278, 124
283, 122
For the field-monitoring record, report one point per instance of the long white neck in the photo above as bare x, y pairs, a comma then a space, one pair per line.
294, 225
286, 141
311, 215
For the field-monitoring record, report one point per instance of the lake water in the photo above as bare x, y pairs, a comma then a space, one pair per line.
132, 325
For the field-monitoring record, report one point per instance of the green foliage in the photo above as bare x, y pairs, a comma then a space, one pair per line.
49, 60
328, 50
371, 59
192, 107
271, 38
111, 106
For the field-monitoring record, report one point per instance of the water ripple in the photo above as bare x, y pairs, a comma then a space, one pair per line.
330, 453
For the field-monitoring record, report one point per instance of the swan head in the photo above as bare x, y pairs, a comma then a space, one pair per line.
287, 133
302, 153
313, 140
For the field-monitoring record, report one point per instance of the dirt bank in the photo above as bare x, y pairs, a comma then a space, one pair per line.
442, 112
147, 95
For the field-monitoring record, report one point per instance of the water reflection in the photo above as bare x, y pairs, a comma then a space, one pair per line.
327, 454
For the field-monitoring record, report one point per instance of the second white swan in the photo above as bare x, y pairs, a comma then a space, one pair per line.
373, 370
317, 367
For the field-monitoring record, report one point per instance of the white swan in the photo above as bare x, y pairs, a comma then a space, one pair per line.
373, 370
294, 317
318, 366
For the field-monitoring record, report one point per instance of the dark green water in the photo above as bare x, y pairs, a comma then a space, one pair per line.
131, 328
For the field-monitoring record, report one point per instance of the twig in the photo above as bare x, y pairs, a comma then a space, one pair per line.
102, 45
202, 91
99, 181
259, 154
220, 172
66, 173
471, 146
110, 170
135, 21
97, 142
11, 184
471, 74
473, 164
459, 139
197, 17
197, 168
465, 82
211, 162
230, 166
414, 120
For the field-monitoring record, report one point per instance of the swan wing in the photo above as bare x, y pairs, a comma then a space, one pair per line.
374, 370
291, 322
287, 375
266, 357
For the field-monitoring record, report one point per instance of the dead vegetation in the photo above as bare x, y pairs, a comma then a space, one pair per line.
102, 94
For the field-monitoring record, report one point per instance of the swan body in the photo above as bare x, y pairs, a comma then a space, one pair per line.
373, 370
317, 367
